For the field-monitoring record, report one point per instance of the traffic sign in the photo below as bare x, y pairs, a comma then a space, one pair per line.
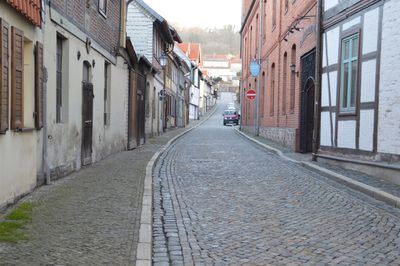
251, 94
254, 68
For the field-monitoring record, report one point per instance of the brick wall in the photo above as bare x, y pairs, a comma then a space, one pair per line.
272, 114
86, 16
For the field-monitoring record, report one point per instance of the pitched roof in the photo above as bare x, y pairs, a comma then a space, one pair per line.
192, 50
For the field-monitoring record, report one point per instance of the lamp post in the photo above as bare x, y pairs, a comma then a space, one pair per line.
163, 62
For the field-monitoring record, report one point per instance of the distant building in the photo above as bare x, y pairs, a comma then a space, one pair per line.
224, 66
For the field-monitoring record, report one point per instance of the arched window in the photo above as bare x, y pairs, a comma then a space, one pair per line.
262, 95
272, 95
293, 80
284, 82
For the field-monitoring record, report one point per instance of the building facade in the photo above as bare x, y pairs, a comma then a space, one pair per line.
280, 37
359, 125
86, 112
152, 37
21, 94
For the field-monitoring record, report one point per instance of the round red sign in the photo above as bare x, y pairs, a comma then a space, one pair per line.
251, 94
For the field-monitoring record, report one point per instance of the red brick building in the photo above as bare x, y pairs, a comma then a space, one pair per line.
280, 35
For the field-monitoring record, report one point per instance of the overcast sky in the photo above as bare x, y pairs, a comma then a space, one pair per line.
194, 13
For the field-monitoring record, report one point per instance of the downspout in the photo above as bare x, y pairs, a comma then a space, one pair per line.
45, 165
318, 61
257, 111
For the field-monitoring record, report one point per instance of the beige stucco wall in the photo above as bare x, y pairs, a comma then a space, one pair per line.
19, 151
64, 139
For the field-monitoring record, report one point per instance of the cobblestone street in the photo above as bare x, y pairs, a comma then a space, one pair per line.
221, 200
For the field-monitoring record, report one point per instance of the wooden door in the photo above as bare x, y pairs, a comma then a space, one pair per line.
87, 117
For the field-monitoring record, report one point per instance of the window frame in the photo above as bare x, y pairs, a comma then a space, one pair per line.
348, 110
103, 9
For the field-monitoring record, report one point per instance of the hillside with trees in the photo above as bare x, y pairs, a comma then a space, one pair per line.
225, 40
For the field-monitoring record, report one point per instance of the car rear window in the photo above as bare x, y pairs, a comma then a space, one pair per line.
230, 112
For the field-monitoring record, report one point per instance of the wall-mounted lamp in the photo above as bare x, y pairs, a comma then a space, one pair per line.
293, 69
163, 60
93, 62
78, 55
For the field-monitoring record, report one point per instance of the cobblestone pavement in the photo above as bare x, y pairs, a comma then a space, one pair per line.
221, 200
90, 217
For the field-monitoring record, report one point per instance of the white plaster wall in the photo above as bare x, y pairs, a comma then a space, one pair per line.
325, 89
139, 28
158, 123
331, 47
64, 139
351, 23
370, 36
368, 81
389, 92
326, 129
329, 4
366, 130
347, 134
108, 139
19, 156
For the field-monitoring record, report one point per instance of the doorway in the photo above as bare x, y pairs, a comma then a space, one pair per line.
87, 115
307, 102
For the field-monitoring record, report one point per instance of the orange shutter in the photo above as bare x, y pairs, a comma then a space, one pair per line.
39, 85
17, 79
4, 74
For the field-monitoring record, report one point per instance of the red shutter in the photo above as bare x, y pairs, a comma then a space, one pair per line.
39, 85
4, 74
17, 78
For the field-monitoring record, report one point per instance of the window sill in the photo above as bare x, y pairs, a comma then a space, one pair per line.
103, 14
23, 130
349, 114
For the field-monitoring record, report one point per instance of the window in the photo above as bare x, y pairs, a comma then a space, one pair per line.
286, 6
348, 74
284, 83
262, 94
59, 77
293, 80
273, 14
17, 79
103, 7
271, 104
107, 93
264, 24
4, 75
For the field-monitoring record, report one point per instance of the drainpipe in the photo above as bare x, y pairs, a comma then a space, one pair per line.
318, 65
257, 111
45, 165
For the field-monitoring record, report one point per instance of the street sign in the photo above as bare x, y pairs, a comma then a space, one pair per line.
254, 68
251, 94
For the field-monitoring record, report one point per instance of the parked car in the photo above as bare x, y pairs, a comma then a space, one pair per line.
231, 117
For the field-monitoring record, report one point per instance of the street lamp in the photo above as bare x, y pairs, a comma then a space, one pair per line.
163, 62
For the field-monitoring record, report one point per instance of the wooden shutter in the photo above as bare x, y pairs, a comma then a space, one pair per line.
39, 85
17, 78
4, 74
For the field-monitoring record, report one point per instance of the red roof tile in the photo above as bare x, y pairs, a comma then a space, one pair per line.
31, 9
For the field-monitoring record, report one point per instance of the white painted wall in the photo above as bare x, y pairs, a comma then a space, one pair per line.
329, 4
326, 129
325, 89
331, 47
347, 134
368, 72
64, 141
370, 36
351, 23
366, 130
389, 93
20, 152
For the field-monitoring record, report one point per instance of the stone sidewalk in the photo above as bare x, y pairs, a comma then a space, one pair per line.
90, 217
377, 188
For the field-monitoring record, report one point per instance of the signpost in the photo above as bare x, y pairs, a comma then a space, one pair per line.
251, 94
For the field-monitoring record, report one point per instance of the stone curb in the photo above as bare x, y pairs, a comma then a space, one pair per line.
144, 248
364, 188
